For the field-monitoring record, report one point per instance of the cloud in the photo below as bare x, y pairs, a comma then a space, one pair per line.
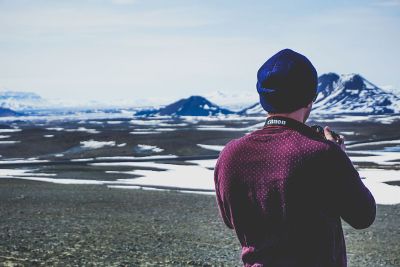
142, 66
103, 49
56, 20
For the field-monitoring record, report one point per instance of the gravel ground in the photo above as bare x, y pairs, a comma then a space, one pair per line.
43, 224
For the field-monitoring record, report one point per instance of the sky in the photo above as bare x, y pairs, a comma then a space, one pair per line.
108, 50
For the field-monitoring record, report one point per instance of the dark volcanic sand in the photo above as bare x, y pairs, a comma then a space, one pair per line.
86, 225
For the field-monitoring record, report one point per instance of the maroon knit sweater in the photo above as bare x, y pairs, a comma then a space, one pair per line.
284, 189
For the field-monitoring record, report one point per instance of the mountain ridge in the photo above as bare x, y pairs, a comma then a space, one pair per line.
19, 100
352, 94
192, 106
346, 94
6, 112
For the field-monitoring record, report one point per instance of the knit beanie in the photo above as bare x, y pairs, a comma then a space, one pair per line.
286, 82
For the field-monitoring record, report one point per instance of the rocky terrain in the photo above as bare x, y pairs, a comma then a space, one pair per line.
44, 224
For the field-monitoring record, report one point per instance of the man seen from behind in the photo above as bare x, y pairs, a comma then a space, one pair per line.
285, 188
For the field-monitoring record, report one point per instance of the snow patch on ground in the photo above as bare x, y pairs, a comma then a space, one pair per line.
9, 142
82, 160
348, 133
147, 122
169, 156
383, 193
211, 147
181, 176
148, 148
83, 129
207, 163
92, 144
210, 126
173, 124
10, 130
76, 116
389, 142
384, 119
143, 132
152, 131
165, 129
378, 157
17, 161
95, 122
58, 129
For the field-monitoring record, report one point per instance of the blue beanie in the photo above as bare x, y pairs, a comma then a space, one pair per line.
286, 82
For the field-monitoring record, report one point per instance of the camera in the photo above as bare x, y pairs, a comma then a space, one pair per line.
320, 130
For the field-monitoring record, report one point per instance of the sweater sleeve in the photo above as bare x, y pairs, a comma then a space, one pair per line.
222, 206
353, 200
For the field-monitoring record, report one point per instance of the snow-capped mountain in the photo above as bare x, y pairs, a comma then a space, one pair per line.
28, 101
255, 109
192, 106
21, 100
5, 112
338, 95
349, 94
354, 95
234, 101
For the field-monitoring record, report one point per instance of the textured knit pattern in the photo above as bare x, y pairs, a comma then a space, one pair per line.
283, 190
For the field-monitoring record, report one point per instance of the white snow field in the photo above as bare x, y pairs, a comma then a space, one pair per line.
198, 178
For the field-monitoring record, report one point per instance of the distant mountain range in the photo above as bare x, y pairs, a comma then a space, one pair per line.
337, 94
191, 106
21, 100
349, 94
234, 101
28, 101
5, 112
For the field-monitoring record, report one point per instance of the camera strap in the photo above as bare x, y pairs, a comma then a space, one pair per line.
283, 121
296, 125
288, 122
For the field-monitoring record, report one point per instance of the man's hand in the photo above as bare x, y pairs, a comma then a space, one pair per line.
339, 141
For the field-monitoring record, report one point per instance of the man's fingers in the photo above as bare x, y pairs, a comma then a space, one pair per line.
339, 140
328, 134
